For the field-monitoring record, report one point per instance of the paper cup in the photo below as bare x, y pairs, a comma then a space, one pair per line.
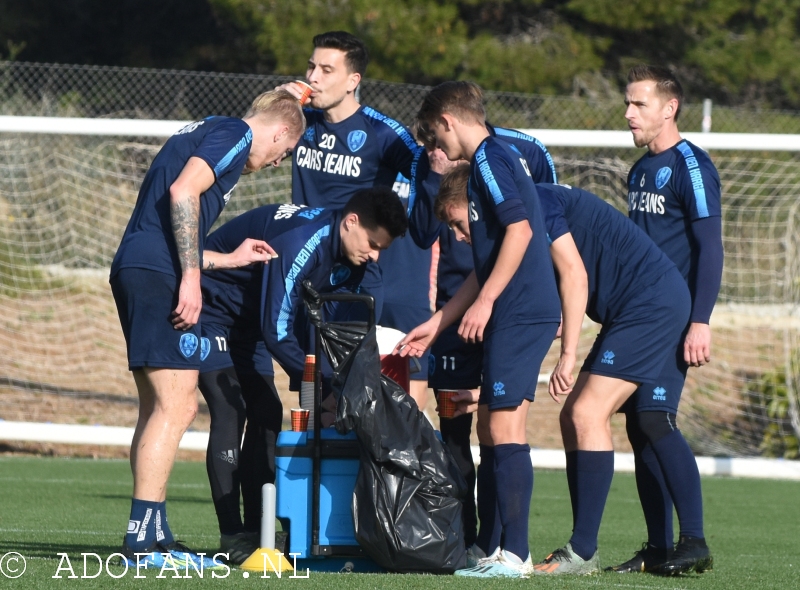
446, 405
307, 90
299, 419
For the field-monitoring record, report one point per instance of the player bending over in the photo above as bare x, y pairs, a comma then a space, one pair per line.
155, 280
254, 313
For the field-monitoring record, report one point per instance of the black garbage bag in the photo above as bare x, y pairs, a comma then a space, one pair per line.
407, 499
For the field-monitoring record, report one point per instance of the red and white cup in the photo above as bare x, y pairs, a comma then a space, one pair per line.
299, 419
307, 90
446, 405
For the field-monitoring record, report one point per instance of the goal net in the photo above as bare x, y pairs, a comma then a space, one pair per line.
65, 201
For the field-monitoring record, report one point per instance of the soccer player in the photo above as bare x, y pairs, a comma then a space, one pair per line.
155, 280
509, 302
263, 304
454, 364
609, 269
674, 196
348, 146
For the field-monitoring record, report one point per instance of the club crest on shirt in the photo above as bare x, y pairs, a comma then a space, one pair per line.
339, 274
356, 140
662, 176
309, 134
205, 348
188, 345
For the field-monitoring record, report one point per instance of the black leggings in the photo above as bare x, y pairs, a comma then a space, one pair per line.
455, 434
233, 398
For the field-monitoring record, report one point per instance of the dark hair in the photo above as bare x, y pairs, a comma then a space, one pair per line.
667, 85
355, 52
423, 135
463, 100
452, 191
377, 207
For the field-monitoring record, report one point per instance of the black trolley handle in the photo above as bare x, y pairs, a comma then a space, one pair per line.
315, 300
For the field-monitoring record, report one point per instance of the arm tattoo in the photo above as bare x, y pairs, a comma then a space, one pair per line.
210, 265
185, 227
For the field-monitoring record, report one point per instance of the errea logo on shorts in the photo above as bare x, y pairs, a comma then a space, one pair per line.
499, 389
660, 394
608, 358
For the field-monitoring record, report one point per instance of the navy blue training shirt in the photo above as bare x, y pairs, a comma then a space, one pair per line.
267, 299
620, 259
455, 258
500, 193
667, 194
224, 144
334, 160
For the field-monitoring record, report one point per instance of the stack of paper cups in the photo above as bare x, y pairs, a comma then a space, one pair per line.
307, 390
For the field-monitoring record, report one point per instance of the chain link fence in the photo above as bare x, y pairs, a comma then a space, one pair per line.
65, 200
101, 91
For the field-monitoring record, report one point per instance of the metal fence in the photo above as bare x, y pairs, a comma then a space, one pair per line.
101, 91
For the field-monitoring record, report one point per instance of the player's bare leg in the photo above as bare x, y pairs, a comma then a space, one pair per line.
586, 431
170, 407
586, 416
419, 391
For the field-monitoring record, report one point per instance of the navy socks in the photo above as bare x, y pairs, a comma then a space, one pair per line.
683, 480
514, 480
655, 498
147, 525
490, 529
593, 471
142, 524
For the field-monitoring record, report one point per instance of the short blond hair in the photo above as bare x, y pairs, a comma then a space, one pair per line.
279, 105
452, 191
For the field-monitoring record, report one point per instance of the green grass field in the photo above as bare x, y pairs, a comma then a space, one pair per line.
50, 506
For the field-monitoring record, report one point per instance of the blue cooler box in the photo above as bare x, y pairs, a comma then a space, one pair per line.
294, 479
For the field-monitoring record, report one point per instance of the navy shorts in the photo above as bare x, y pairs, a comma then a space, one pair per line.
229, 347
405, 318
512, 358
636, 344
453, 363
664, 394
145, 301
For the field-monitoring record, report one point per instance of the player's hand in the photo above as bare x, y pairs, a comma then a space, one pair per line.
558, 332
466, 401
328, 411
417, 341
562, 380
439, 162
251, 251
190, 301
697, 345
474, 321
294, 89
